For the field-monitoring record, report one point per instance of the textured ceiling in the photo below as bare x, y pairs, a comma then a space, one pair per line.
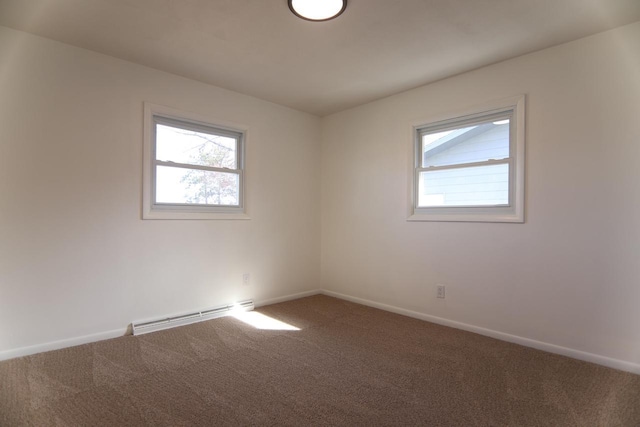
258, 47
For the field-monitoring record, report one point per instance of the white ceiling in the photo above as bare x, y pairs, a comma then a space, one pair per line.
258, 47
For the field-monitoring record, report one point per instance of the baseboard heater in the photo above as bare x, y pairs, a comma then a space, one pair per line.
144, 327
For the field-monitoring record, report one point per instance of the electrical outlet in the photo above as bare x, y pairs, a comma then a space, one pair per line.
246, 279
440, 291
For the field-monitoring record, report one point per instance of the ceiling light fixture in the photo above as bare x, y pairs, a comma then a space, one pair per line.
317, 10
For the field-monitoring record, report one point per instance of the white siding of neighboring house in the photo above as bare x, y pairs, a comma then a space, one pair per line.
484, 185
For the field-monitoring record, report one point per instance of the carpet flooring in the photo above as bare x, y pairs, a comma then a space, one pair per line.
347, 365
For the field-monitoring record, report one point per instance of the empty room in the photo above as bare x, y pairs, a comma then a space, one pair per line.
338, 212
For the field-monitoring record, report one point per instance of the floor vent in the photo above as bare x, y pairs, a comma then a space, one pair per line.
145, 327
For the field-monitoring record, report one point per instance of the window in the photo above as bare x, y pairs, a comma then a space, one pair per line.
471, 167
192, 169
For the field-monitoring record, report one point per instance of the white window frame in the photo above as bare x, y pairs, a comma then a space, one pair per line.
514, 210
150, 209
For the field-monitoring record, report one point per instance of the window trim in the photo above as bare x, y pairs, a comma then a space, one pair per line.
150, 209
514, 211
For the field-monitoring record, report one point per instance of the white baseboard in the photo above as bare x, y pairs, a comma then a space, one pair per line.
551, 348
287, 298
56, 345
70, 342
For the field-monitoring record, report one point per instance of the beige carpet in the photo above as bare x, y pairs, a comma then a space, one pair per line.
347, 365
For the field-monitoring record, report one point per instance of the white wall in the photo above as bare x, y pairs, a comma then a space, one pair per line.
569, 276
75, 257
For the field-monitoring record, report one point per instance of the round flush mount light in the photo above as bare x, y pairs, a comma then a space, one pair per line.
317, 10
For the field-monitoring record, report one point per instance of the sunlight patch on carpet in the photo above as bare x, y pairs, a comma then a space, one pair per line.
261, 321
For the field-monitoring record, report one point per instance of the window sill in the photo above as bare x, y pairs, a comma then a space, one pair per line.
466, 218
191, 215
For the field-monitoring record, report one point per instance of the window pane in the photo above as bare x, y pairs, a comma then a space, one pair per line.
196, 148
470, 144
193, 186
472, 186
